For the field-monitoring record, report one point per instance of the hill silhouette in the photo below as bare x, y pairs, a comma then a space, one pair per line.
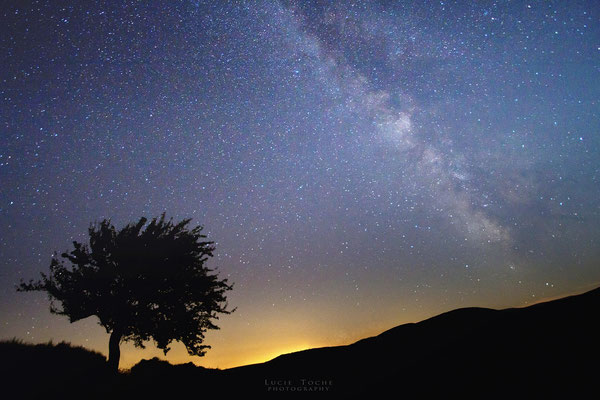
54, 370
544, 348
547, 348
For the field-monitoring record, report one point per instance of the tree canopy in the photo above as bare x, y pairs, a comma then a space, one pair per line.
147, 281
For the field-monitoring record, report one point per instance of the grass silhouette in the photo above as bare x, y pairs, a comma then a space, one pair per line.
54, 370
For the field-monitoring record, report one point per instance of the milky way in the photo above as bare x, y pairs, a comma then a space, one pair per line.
359, 164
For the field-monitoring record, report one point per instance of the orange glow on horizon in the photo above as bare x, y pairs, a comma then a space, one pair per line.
283, 330
268, 355
256, 355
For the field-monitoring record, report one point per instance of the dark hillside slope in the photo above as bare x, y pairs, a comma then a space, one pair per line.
546, 350
49, 370
545, 347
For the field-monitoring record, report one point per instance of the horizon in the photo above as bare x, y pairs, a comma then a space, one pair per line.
135, 355
360, 165
178, 355
133, 359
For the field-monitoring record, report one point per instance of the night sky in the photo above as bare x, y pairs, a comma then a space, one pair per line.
359, 164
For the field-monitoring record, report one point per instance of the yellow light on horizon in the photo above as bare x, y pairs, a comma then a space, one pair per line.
271, 354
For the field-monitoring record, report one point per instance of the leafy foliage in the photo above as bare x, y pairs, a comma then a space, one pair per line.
144, 283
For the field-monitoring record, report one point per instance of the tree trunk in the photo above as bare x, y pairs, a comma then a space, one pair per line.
114, 352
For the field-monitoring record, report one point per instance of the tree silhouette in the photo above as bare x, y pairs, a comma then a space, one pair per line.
142, 284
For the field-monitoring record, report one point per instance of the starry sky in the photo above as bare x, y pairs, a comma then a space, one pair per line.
359, 164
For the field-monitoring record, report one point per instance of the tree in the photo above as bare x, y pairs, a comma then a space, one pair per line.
141, 283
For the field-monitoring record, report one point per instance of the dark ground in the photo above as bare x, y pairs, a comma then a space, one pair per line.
547, 350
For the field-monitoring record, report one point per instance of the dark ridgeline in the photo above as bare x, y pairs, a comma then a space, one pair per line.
143, 282
546, 349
